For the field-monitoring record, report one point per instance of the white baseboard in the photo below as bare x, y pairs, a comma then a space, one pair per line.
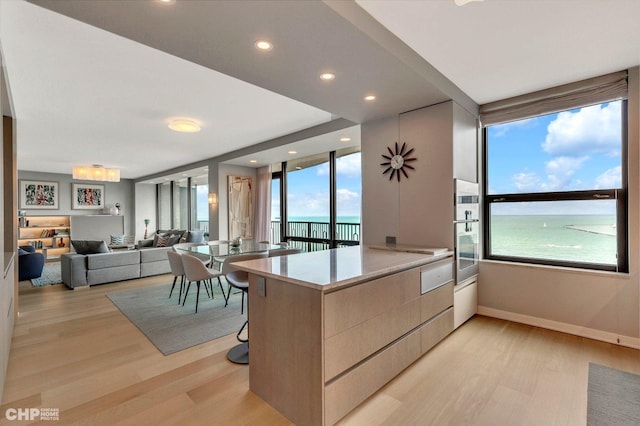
604, 336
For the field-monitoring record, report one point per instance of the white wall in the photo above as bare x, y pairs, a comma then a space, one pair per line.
380, 197
145, 196
224, 171
121, 192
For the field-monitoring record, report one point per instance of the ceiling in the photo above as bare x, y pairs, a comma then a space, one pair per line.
97, 81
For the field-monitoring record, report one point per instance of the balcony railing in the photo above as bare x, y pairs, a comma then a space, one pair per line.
314, 236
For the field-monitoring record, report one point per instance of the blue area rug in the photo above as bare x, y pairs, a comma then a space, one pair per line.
51, 274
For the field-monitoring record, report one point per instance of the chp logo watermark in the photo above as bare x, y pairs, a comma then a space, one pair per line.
43, 414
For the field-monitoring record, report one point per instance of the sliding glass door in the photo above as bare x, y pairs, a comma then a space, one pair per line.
319, 198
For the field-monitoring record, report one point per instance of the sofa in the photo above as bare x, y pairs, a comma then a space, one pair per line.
80, 270
95, 263
30, 263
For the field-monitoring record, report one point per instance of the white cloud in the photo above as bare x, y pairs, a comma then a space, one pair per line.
346, 195
309, 204
526, 181
348, 166
612, 178
560, 170
593, 129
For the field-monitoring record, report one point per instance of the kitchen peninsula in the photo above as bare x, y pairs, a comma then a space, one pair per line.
329, 328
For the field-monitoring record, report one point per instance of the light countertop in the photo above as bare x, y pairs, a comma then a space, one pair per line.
330, 269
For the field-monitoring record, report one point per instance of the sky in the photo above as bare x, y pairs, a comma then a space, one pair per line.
309, 189
571, 150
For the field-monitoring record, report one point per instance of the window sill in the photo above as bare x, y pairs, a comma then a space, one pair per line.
592, 272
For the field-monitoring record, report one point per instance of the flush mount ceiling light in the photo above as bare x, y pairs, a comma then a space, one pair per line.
345, 139
327, 76
292, 152
167, 1
370, 98
95, 172
184, 125
263, 45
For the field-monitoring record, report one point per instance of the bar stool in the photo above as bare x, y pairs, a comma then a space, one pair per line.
239, 354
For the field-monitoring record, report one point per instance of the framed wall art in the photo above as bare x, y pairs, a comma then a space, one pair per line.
36, 194
240, 207
87, 196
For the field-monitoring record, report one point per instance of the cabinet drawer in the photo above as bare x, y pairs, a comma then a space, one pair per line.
347, 308
465, 304
346, 349
436, 274
347, 392
436, 330
436, 301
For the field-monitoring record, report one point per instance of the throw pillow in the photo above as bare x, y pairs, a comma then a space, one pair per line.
173, 239
21, 252
117, 240
160, 241
195, 236
89, 247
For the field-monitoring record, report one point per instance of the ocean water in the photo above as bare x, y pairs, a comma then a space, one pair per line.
323, 219
588, 238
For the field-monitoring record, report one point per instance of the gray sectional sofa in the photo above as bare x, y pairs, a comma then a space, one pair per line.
89, 269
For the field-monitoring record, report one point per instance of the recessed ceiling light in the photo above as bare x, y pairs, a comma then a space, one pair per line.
370, 98
292, 152
327, 76
184, 125
263, 45
298, 168
167, 1
345, 139
253, 161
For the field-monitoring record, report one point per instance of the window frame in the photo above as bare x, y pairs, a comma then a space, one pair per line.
619, 194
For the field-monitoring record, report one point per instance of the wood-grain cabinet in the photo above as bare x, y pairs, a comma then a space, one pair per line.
320, 358
7, 312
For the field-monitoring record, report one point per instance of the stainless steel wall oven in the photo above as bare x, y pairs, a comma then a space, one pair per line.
467, 229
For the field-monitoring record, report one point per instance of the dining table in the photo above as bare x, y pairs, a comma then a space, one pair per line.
218, 250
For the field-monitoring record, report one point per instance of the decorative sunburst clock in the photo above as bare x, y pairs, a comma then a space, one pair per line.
397, 161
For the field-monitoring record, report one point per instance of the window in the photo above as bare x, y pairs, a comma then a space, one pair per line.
180, 204
164, 205
307, 199
555, 189
319, 198
200, 203
348, 200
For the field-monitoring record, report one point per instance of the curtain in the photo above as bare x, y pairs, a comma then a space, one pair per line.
263, 205
586, 92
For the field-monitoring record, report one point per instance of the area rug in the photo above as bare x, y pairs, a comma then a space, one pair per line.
50, 275
172, 327
613, 397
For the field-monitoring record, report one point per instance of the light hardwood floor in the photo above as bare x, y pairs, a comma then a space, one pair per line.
75, 351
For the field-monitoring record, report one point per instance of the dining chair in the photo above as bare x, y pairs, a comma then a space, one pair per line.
196, 271
237, 278
206, 259
177, 269
284, 252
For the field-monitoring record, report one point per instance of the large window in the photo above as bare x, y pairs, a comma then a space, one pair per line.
182, 202
555, 189
200, 202
319, 198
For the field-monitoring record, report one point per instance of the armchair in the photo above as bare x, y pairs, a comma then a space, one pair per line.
30, 263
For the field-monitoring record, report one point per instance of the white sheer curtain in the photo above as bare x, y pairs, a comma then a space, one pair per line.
263, 205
